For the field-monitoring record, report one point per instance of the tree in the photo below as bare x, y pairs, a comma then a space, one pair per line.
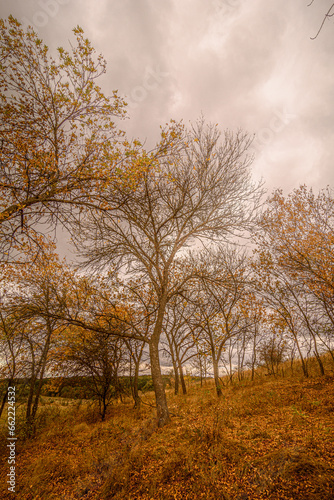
35, 304
272, 353
295, 264
276, 296
99, 357
256, 318
107, 327
11, 339
200, 191
220, 300
136, 351
181, 339
59, 145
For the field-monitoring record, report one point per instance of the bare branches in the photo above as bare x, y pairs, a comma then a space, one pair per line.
328, 15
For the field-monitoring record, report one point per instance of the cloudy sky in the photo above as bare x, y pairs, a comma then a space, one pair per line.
246, 64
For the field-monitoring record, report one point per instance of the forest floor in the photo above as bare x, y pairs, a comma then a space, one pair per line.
272, 438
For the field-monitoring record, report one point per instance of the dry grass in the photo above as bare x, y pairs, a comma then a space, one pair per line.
268, 439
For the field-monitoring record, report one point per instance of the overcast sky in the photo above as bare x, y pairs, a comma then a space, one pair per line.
246, 64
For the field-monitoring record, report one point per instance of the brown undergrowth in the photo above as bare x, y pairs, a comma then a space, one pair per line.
267, 439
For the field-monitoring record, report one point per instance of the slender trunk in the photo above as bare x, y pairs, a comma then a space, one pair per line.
241, 360
10, 382
176, 375
292, 359
304, 366
205, 370
135, 385
201, 371
36, 400
38, 391
239, 367
316, 351
104, 407
243, 354
4, 399
117, 387
230, 366
320, 363
216, 376
43, 362
30, 398
159, 390
254, 354
130, 376
174, 363
183, 384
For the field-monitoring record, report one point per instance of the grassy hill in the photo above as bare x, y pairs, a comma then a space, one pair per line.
272, 438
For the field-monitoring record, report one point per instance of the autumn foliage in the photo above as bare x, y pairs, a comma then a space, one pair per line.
267, 439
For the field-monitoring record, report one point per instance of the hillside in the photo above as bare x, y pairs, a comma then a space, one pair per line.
268, 439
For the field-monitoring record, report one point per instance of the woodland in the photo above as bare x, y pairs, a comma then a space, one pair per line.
181, 262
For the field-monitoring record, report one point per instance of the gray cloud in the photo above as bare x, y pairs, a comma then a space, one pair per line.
243, 64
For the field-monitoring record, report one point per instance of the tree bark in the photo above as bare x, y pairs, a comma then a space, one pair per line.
183, 383
176, 376
216, 376
320, 363
10, 381
159, 390
304, 366
135, 385
42, 364
104, 407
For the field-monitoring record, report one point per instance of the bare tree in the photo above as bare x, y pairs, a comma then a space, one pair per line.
200, 191
272, 353
99, 357
11, 340
136, 351
35, 304
221, 300
295, 265
181, 338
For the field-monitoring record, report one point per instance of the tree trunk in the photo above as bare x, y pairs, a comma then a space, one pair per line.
30, 398
183, 384
42, 364
216, 376
104, 407
205, 371
36, 401
304, 365
159, 390
10, 382
253, 361
176, 375
135, 385
320, 363
201, 371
